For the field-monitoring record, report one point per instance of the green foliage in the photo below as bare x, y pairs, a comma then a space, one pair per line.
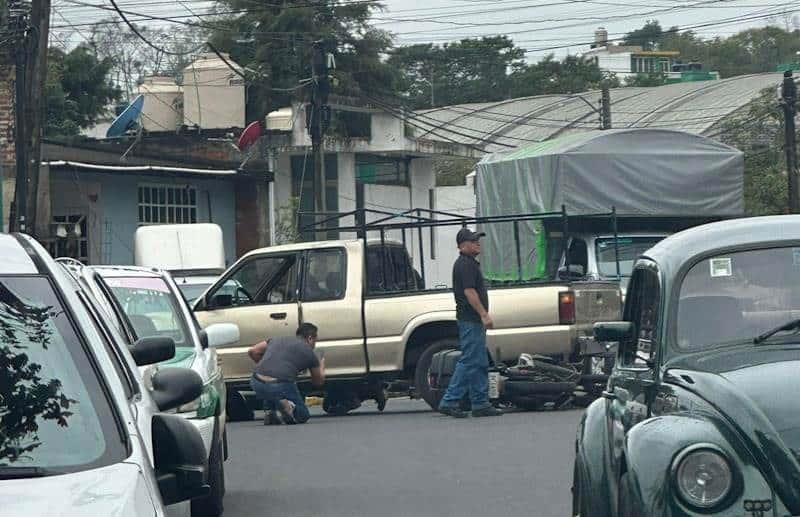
274, 43
452, 172
750, 51
647, 80
758, 132
648, 37
485, 70
77, 90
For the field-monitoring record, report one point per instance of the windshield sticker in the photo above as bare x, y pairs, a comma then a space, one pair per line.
721, 267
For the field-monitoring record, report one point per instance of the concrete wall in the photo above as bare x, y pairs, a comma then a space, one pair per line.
620, 63
459, 200
110, 202
7, 149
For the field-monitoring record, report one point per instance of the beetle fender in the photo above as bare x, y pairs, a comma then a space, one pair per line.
592, 459
651, 447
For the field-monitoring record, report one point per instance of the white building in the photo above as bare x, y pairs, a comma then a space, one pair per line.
629, 61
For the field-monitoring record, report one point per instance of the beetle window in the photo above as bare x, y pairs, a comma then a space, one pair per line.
642, 310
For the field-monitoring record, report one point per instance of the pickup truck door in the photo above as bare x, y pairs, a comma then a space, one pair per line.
330, 298
260, 296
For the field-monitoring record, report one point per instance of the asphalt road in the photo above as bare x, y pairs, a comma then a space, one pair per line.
407, 461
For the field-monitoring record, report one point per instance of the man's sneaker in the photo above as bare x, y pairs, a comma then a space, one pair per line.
287, 411
272, 418
454, 412
487, 411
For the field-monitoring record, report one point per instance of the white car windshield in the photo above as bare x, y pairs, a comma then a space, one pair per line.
738, 296
54, 416
151, 307
629, 249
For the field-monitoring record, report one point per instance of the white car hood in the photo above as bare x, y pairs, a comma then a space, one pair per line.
116, 491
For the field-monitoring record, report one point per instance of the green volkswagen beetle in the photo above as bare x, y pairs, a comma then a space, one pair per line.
701, 415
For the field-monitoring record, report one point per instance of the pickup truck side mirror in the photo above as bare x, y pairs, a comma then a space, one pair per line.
221, 301
575, 272
173, 387
180, 459
220, 335
152, 350
615, 331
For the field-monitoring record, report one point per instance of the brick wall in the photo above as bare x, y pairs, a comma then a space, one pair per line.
7, 149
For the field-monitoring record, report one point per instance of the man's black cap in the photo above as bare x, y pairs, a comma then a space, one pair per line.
465, 234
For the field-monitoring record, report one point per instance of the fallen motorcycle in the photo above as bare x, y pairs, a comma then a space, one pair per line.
534, 383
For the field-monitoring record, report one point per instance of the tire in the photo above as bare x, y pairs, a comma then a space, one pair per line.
432, 397
625, 499
212, 505
579, 504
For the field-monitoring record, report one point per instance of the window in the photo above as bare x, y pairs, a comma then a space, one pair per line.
735, 297
325, 276
642, 309
167, 204
262, 280
390, 270
377, 170
75, 242
62, 420
151, 308
303, 173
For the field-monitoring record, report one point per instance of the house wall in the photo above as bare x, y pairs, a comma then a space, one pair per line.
619, 63
7, 148
459, 200
110, 203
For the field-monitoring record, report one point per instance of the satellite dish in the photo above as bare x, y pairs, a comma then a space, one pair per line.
250, 135
127, 119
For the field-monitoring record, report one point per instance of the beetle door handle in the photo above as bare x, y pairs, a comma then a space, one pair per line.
278, 315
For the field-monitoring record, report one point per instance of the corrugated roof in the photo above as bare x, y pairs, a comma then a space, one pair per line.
694, 107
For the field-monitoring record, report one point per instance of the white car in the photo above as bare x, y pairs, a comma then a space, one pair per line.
80, 433
146, 302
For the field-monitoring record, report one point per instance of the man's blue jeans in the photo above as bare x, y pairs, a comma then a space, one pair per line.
472, 370
272, 392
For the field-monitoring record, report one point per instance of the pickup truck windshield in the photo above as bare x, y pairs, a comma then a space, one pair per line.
151, 307
193, 291
54, 416
731, 298
630, 249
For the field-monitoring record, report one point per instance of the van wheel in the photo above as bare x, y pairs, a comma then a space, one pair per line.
211, 505
423, 388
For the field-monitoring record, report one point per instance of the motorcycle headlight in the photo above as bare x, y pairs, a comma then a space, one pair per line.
703, 477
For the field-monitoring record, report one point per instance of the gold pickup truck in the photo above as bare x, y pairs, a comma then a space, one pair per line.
376, 326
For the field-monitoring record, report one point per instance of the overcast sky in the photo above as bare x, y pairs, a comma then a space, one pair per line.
539, 26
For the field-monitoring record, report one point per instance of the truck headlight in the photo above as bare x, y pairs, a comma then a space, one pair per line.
205, 405
703, 476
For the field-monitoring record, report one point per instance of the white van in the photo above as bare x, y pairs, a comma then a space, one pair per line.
193, 253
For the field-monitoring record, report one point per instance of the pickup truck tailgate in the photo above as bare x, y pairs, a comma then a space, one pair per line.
597, 301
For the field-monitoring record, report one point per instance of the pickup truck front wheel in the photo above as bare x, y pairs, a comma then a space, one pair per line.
421, 383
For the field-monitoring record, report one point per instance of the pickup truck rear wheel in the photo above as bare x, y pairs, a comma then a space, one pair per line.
421, 384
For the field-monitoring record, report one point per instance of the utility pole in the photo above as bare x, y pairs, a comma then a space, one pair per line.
19, 28
605, 106
318, 117
36, 79
789, 104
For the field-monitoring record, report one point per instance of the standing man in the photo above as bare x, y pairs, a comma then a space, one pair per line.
472, 312
278, 362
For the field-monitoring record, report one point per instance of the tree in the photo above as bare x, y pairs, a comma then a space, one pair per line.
647, 37
274, 43
471, 70
569, 75
77, 92
646, 80
758, 132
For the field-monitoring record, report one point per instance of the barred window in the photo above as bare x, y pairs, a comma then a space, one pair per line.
167, 204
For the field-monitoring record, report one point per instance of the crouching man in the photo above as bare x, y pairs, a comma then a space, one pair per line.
278, 362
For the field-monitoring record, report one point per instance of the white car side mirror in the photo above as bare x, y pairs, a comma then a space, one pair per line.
220, 335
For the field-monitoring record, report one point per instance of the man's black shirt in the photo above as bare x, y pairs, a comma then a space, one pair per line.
467, 275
